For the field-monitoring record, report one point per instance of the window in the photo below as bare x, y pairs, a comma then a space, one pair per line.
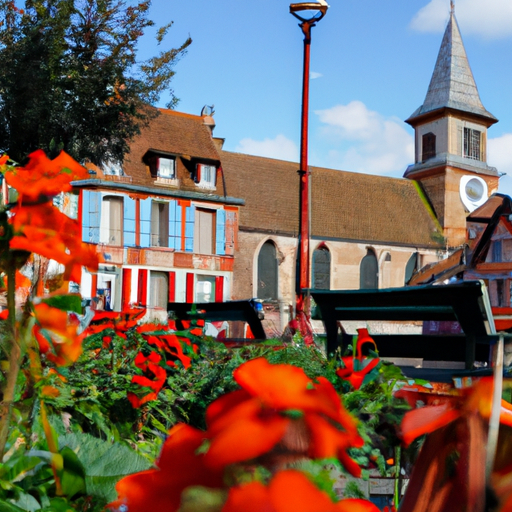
111, 227
67, 203
428, 146
369, 272
162, 167
158, 289
500, 293
112, 168
205, 289
472, 143
107, 288
206, 176
204, 231
411, 266
496, 251
322, 269
267, 272
159, 224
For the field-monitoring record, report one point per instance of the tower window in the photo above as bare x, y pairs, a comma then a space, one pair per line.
472, 143
428, 146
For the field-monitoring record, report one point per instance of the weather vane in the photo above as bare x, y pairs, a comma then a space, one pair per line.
452, 6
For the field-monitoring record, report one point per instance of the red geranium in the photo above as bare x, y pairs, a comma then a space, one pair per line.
355, 369
279, 405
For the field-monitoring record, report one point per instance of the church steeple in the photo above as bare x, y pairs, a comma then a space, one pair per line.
452, 84
451, 139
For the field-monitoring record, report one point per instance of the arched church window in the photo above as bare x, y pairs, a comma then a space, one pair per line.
369, 272
428, 144
267, 272
411, 266
322, 269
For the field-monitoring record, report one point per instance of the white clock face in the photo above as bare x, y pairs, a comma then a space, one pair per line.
473, 192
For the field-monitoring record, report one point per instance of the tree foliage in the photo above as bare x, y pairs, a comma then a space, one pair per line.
70, 78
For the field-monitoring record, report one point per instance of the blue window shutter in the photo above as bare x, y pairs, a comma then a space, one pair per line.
174, 225
220, 234
86, 217
129, 222
91, 206
189, 228
145, 222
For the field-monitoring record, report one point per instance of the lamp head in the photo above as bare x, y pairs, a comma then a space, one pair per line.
316, 10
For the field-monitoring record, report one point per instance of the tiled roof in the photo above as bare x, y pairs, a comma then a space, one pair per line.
452, 84
171, 132
345, 205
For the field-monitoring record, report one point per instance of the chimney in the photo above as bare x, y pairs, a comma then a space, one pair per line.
210, 122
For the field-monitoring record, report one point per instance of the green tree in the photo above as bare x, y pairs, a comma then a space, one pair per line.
70, 78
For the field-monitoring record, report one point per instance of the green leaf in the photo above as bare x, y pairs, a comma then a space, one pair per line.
65, 302
5, 506
73, 475
105, 463
58, 505
27, 502
22, 466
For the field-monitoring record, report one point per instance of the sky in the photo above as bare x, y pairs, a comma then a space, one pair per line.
371, 64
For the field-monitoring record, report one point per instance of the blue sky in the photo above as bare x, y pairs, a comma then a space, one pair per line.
371, 63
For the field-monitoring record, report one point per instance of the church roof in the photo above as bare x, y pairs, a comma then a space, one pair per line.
452, 84
345, 206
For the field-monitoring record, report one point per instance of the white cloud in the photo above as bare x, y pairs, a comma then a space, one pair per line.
499, 155
314, 75
280, 147
491, 19
375, 144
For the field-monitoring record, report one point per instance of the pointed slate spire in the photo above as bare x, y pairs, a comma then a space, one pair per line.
452, 84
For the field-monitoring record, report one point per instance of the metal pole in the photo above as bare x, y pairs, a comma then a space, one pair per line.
303, 263
302, 278
494, 420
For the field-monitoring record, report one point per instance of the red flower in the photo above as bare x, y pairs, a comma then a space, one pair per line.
157, 376
120, 322
179, 467
289, 491
56, 336
42, 178
446, 408
160, 337
43, 229
356, 368
279, 405
449, 473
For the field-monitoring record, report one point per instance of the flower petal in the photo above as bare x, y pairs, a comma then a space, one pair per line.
292, 491
245, 439
252, 497
426, 419
356, 505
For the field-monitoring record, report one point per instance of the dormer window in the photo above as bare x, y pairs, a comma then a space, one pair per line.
206, 176
428, 143
112, 168
164, 167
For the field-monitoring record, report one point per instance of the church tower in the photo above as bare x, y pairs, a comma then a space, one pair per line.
451, 140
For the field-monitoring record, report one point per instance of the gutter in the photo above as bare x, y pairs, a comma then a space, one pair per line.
181, 194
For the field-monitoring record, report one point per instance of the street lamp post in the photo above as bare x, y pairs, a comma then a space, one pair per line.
317, 11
